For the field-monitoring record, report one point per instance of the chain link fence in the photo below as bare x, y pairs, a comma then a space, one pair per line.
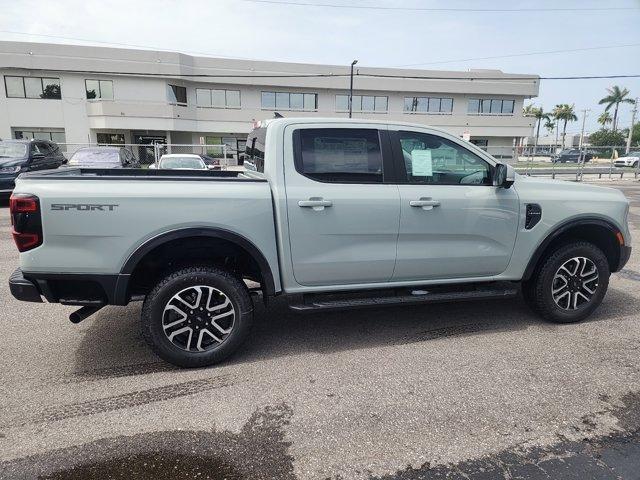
578, 162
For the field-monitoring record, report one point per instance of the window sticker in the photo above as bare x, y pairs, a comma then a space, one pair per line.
421, 164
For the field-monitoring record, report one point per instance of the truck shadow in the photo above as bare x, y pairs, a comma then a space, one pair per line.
112, 345
278, 331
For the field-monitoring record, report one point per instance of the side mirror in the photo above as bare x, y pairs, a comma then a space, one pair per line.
504, 175
37, 156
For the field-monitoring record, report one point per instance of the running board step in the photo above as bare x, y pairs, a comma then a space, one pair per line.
383, 298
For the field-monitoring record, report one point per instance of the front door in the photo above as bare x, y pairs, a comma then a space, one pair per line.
454, 223
343, 220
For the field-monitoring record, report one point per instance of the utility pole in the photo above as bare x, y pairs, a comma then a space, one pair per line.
633, 120
584, 119
351, 89
585, 112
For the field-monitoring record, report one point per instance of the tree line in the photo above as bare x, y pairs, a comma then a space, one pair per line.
564, 113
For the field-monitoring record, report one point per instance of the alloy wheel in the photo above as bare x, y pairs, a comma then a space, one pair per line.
198, 318
574, 283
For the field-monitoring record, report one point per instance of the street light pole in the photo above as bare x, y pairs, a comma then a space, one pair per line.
351, 88
633, 120
582, 156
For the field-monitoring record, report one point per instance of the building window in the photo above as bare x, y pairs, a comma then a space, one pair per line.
110, 138
32, 87
433, 105
176, 95
99, 89
490, 106
54, 136
289, 101
362, 103
210, 98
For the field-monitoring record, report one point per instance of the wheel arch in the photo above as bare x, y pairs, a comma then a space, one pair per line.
185, 234
600, 232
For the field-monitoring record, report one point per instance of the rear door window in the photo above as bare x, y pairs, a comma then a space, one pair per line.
339, 155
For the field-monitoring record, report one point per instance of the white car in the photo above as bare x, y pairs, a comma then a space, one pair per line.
180, 161
631, 160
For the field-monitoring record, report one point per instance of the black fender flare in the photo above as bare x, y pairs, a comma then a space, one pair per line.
559, 230
209, 232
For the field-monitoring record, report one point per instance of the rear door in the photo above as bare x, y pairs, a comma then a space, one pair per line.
454, 223
343, 217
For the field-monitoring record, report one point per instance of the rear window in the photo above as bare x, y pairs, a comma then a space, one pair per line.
12, 150
340, 155
94, 157
182, 162
254, 152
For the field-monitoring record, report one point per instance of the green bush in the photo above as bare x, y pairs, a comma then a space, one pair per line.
608, 138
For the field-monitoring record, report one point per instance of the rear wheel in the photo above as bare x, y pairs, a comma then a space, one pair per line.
570, 284
197, 316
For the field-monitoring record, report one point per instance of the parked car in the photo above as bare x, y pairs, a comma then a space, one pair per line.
179, 161
630, 160
18, 156
572, 155
103, 157
331, 214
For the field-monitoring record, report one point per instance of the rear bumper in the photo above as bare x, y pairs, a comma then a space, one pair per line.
23, 289
70, 288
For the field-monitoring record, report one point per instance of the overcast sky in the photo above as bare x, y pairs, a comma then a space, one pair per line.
450, 40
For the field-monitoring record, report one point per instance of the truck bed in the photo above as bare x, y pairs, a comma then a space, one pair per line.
95, 219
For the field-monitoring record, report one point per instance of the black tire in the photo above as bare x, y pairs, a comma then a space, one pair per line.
635, 164
538, 291
223, 284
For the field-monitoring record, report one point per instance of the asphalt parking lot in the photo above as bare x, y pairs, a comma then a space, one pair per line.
473, 390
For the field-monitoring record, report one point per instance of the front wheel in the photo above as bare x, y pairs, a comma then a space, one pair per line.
570, 283
197, 316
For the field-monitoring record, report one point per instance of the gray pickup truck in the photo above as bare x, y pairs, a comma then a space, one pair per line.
332, 213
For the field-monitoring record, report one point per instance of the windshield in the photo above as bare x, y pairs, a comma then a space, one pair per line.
92, 157
12, 150
182, 162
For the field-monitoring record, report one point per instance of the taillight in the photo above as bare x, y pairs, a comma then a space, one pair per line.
26, 221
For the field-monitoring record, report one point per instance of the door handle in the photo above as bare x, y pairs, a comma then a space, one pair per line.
426, 203
316, 203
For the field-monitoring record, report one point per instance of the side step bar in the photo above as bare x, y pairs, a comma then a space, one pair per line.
405, 296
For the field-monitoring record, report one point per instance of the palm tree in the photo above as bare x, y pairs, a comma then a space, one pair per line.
564, 113
614, 99
539, 114
604, 118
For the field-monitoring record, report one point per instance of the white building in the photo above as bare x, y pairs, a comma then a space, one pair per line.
80, 94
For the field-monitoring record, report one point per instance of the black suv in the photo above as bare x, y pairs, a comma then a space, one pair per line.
17, 156
571, 155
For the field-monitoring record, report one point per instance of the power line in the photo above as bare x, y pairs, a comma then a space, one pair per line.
208, 54
513, 55
322, 75
436, 9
